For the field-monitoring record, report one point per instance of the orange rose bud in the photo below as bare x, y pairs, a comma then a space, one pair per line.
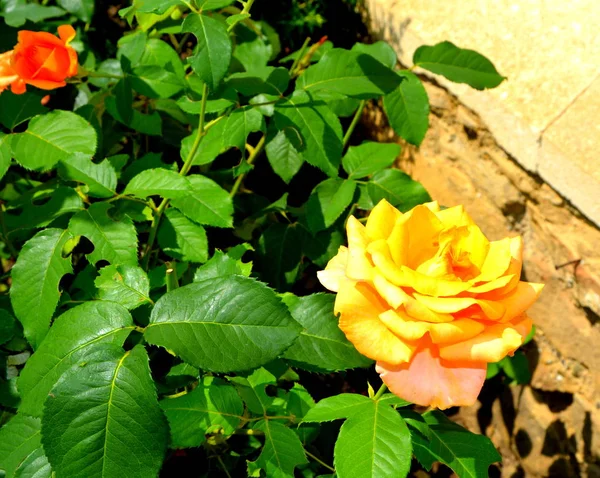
431, 299
43, 60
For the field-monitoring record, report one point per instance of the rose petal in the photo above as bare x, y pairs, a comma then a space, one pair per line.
449, 305
428, 380
381, 220
456, 331
403, 326
335, 270
454, 217
66, 33
520, 299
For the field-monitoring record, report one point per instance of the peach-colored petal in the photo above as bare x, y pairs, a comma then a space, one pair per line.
449, 305
455, 331
520, 299
335, 270
381, 221
403, 326
373, 339
492, 345
428, 380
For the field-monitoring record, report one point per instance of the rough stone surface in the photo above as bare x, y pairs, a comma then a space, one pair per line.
552, 426
545, 115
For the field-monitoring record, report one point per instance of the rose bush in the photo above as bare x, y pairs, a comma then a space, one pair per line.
431, 299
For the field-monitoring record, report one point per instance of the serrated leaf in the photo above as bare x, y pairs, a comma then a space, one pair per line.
398, 189
350, 73
224, 324
158, 182
210, 147
381, 51
313, 129
52, 137
16, 109
368, 158
323, 246
103, 418
345, 405
282, 451
454, 446
124, 284
407, 108
240, 123
268, 80
208, 204
213, 52
67, 342
150, 124
156, 6
181, 238
36, 275
252, 389
36, 465
114, 241
101, 178
285, 160
322, 346
5, 153
220, 265
213, 404
280, 255
155, 81
375, 443
18, 438
458, 65
328, 200
158, 52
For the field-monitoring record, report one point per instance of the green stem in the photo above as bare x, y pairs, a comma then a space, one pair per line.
380, 392
253, 155
183, 171
300, 54
355, 120
246, 9
319, 461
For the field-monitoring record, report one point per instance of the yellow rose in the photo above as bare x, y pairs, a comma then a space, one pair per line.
428, 297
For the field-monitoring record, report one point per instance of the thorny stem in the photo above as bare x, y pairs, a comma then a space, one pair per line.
183, 171
255, 152
380, 392
355, 121
319, 461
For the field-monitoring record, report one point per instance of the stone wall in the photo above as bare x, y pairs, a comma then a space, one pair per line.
552, 426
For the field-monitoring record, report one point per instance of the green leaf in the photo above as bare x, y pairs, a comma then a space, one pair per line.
212, 405
283, 157
322, 346
101, 178
181, 238
381, 51
7, 326
458, 65
5, 153
268, 80
156, 6
398, 189
155, 81
16, 109
158, 182
103, 419
280, 255
207, 5
282, 452
221, 264
368, 158
313, 129
517, 368
18, 438
466, 453
69, 341
114, 241
252, 389
208, 203
328, 200
158, 52
36, 465
374, 443
350, 73
407, 108
52, 137
210, 146
82, 9
124, 284
223, 324
150, 124
344, 405
17, 13
240, 124
321, 247
36, 275
213, 52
